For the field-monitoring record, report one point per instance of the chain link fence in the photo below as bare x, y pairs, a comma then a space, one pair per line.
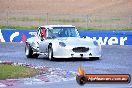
28, 19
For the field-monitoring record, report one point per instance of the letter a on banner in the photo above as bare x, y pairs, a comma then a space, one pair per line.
1, 37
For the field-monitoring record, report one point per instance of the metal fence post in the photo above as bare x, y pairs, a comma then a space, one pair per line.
87, 21
47, 18
129, 21
7, 14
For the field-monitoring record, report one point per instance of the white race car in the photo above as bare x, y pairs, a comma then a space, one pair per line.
61, 41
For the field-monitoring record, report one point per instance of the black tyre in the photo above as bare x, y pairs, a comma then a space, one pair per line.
29, 52
50, 53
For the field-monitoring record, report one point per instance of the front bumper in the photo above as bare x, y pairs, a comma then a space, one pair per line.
67, 52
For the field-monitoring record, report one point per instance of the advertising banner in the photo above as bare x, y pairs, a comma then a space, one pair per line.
104, 37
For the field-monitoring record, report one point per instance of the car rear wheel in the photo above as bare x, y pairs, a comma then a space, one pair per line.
50, 54
29, 52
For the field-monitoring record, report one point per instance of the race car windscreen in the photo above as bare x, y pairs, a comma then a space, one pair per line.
62, 32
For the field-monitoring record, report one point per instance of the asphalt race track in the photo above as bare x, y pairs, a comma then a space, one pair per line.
114, 60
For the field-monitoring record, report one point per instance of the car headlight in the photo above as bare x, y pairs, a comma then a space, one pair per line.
62, 44
95, 43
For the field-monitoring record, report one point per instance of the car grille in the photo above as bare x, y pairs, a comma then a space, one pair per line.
80, 49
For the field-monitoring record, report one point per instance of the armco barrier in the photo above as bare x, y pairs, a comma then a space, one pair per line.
104, 37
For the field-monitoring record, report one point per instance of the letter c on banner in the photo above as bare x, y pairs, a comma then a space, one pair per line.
13, 36
17, 34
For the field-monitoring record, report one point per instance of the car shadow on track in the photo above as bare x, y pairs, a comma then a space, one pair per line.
68, 59
73, 59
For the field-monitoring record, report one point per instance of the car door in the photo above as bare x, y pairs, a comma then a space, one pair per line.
43, 45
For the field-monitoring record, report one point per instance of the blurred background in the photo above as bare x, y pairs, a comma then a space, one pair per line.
85, 14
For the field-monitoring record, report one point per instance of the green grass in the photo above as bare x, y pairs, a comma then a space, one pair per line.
63, 20
26, 19
74, 20
104, 29
108, 20
18, 27
9, 71
94, 20
79, 28
116, 19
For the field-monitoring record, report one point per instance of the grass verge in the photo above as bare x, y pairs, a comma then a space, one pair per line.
104, 29
17, 27
80, 28
10, 71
